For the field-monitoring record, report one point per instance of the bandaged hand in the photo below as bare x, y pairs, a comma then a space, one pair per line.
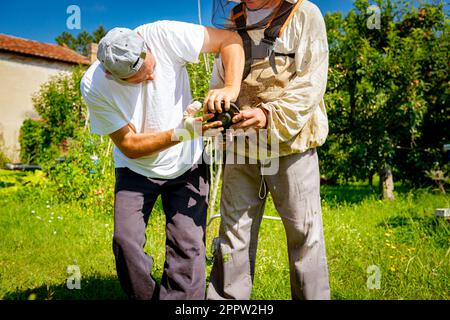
192, 126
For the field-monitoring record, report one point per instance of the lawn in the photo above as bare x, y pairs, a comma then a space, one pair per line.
399, 243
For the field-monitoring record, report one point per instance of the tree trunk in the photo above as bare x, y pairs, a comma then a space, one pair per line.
386, 183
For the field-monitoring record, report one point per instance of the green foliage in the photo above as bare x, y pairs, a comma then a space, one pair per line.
86, 175
62, 111
3, 160
388, 89
82, 40
11, 182
199, 77
59, 103
34, 139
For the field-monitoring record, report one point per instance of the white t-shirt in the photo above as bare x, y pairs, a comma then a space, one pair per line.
152, 106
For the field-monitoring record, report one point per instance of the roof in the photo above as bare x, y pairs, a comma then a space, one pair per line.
43, 50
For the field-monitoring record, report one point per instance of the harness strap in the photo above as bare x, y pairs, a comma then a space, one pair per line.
274, 29
240, 20
277, 26
289, 18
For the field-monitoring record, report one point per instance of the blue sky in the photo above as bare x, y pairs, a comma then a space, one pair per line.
45, 19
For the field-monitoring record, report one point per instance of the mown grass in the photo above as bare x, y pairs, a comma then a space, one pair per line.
40, 238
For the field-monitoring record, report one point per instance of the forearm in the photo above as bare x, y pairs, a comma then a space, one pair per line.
233, 59
217, 75
138, 145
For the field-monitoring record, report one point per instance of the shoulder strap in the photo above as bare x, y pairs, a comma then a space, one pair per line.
289, 18
240, 20
276, 27
238, 16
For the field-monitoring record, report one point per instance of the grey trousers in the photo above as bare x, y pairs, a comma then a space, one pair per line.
296, 193
185, 202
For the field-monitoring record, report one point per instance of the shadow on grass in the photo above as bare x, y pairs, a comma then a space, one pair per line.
6, 184
93, 288
352, 193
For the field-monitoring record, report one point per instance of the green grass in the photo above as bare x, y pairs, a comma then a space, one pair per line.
402, 238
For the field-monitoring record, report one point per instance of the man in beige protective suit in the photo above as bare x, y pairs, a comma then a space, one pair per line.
282, 92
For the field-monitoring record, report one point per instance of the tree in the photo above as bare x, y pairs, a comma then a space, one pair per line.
384, 90
81, 42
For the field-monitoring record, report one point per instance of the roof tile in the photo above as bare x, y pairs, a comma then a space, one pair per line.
39, 49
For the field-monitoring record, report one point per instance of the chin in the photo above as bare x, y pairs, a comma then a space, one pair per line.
252, 4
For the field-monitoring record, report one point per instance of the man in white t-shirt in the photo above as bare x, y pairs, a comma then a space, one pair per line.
138, 93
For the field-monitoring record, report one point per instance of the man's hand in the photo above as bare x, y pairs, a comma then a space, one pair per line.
213, 101
192, 125
230, 47
251, 118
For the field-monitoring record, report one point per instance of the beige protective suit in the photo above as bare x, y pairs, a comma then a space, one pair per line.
297, 123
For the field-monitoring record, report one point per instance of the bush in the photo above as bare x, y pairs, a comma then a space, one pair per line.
34, 139
60, 105
87, 173
3, 160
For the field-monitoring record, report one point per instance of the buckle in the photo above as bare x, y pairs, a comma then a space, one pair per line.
268, 45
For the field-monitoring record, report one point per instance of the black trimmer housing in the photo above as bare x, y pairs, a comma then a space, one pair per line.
225, 116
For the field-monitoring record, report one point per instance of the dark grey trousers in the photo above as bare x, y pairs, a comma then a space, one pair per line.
185, 201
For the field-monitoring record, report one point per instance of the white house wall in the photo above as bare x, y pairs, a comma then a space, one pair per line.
20, 78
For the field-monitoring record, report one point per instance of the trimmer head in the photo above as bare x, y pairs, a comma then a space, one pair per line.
226, 116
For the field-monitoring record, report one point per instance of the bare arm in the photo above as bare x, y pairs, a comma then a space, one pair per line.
136, 145
229, 45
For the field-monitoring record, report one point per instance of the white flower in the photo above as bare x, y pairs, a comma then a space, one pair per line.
39, 217
33, 212
48, 206
49, 220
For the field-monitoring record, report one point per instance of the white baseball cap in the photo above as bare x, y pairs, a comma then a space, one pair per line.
122, 52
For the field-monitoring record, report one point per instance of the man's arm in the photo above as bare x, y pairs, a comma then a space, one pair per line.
137, 145
229, 45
